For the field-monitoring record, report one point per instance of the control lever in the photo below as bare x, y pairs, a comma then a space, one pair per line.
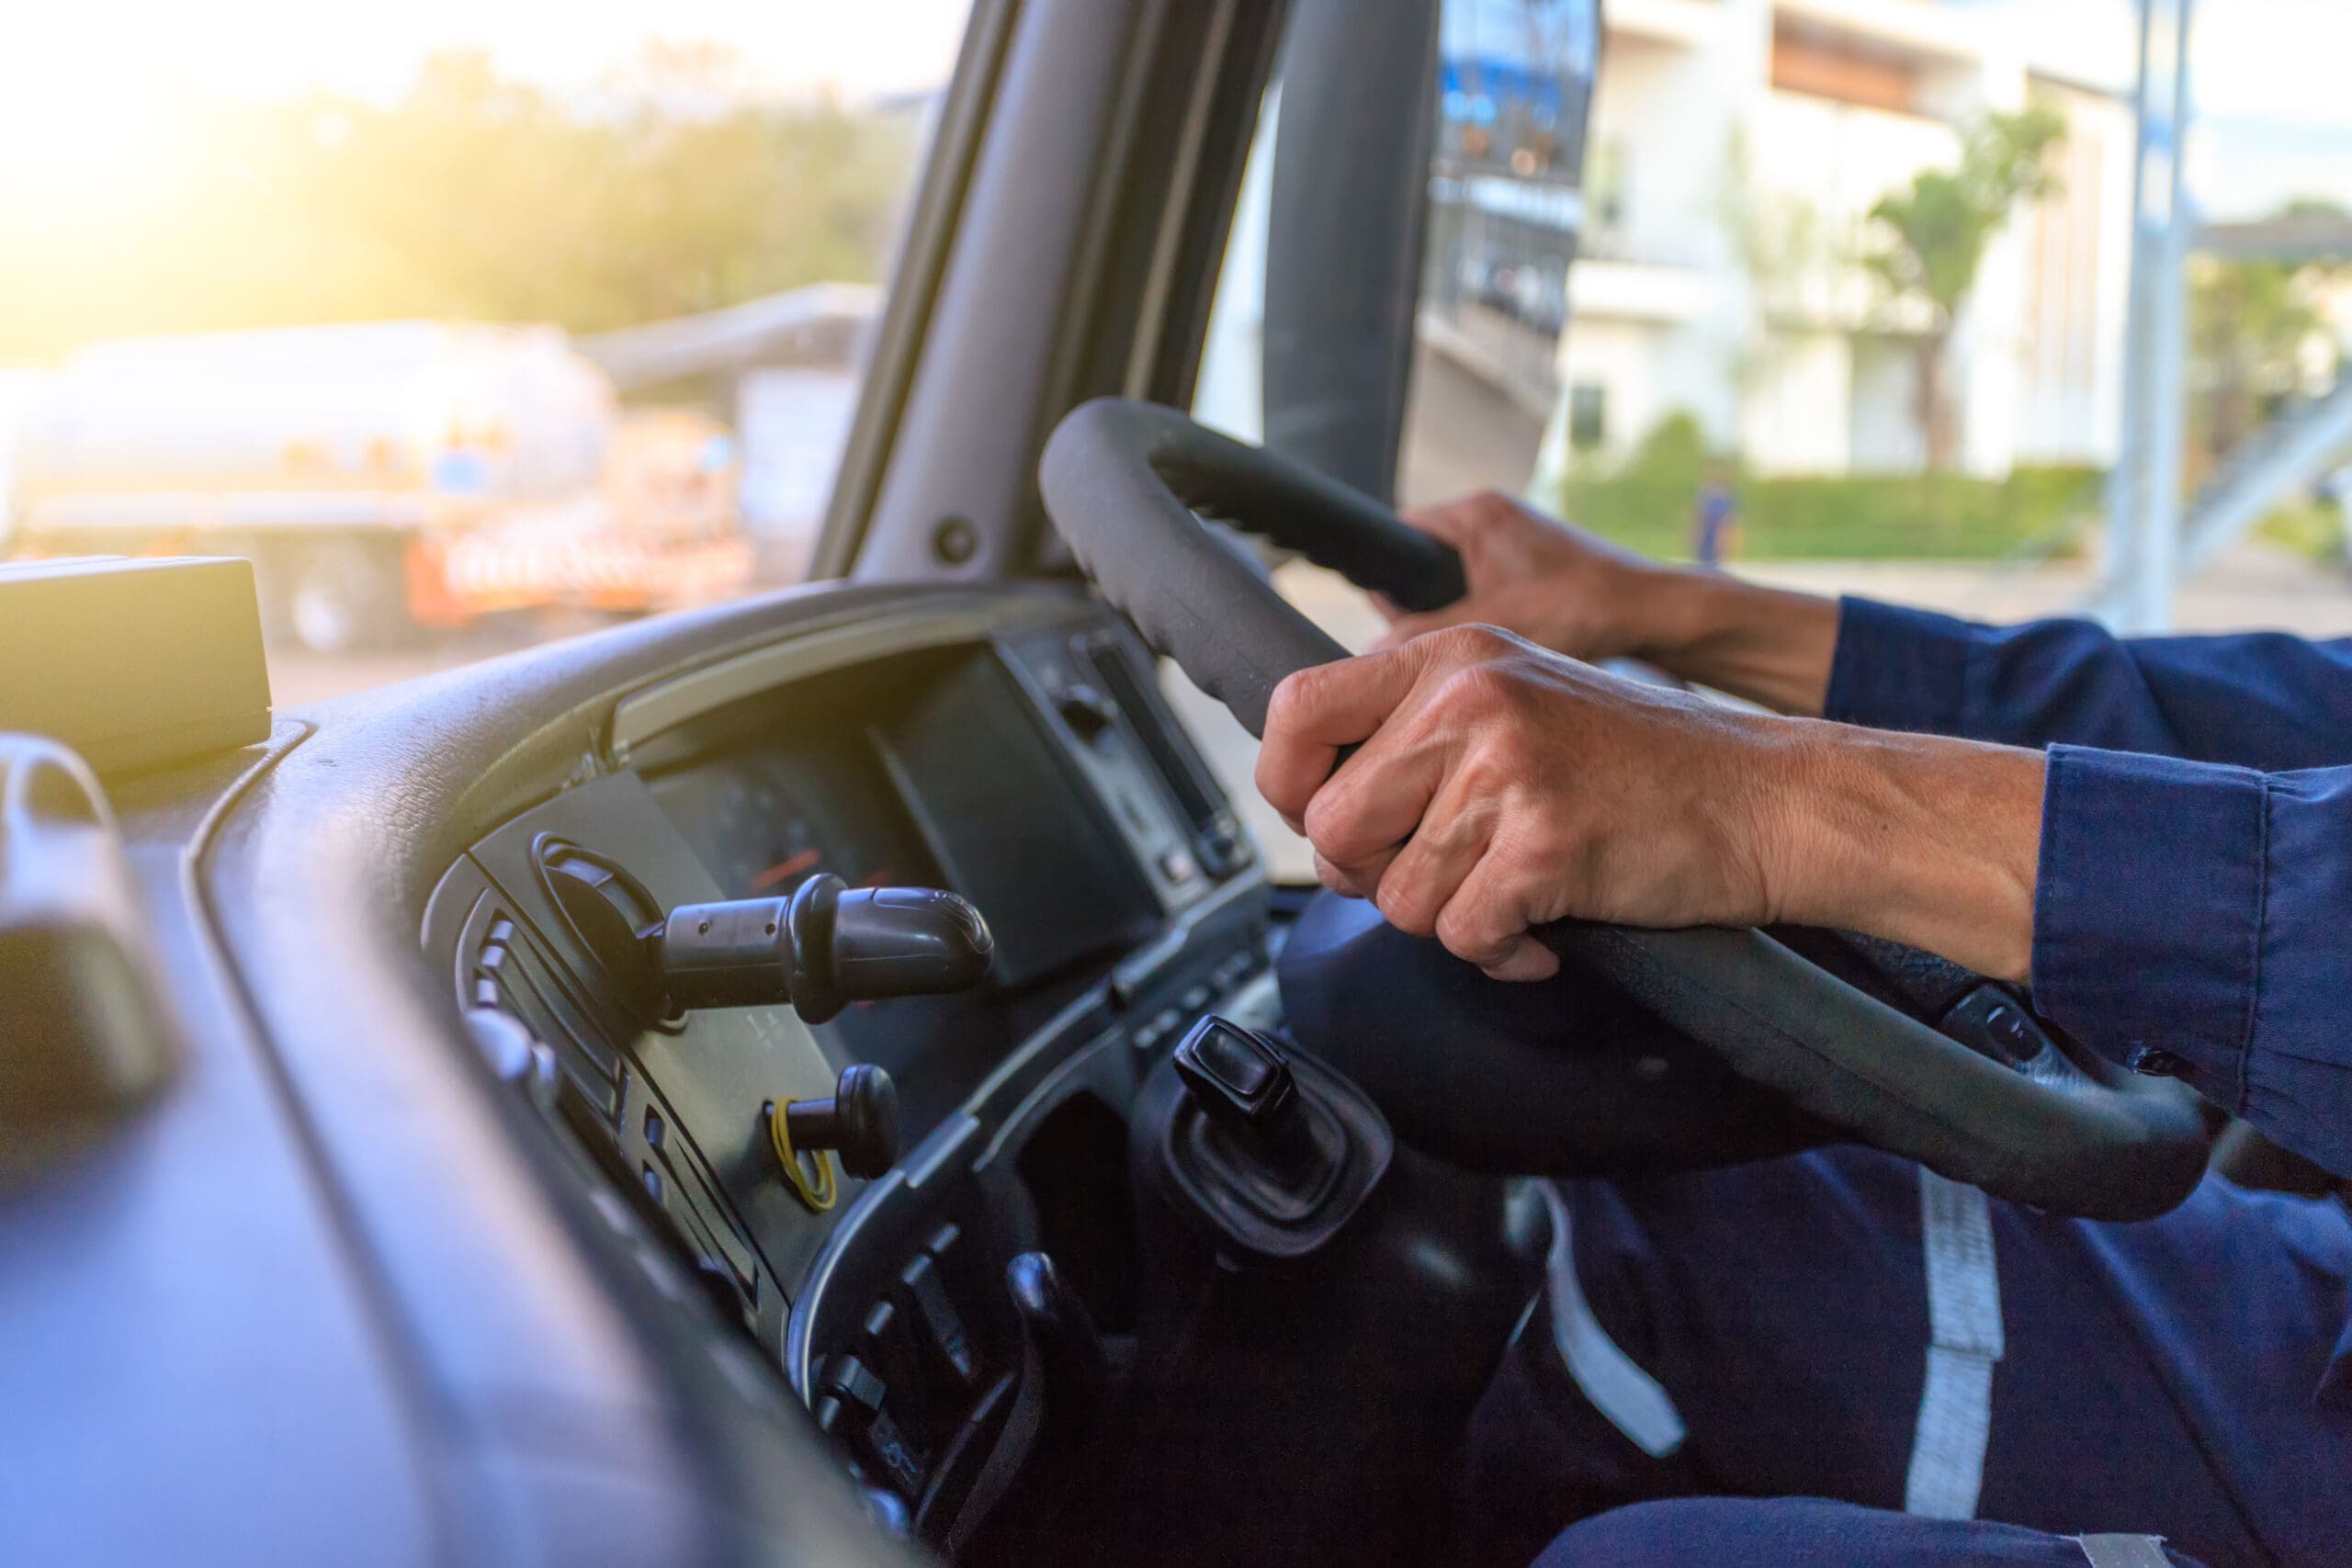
1268, 1148
1273, 1140
822, 948
860, 1122
1072, 1370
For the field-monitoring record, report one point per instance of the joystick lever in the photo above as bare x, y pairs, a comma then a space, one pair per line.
860, 1122
1244, 1085
822, 948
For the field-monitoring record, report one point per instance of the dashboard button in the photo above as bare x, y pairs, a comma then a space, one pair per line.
1087, 712
892, 1351
864, 1417
950, 1344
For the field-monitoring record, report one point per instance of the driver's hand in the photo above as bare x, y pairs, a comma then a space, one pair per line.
1577, 593
1553, 584
1499, 786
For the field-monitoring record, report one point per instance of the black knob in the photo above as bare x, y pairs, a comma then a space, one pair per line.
1243, 1083
905, 942
860, 1122
1087, 711
1071, 1364
821, 948
1237, 1074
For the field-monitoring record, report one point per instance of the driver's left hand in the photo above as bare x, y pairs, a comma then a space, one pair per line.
1498, 787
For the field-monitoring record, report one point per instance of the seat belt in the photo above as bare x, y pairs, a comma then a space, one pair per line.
1634, 1402
2124, 1550
1965, 1342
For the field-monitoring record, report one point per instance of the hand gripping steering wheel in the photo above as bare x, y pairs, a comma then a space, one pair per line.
1128, 485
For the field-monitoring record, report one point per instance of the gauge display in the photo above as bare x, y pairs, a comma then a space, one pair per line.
766, 818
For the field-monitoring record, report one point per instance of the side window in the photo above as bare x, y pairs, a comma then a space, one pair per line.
472, 324
1484, 405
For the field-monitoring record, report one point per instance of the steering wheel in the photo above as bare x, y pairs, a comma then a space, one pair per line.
1129, 484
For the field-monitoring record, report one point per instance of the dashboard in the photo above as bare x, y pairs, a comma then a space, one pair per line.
1018, 755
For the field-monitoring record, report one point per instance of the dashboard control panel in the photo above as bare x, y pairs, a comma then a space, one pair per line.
1019, 794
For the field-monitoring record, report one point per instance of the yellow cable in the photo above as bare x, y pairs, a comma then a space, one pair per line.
818, 1195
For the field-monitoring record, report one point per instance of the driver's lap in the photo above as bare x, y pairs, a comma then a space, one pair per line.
2163, 1378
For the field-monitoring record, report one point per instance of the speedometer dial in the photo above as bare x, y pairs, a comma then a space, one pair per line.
764, 822
754, 835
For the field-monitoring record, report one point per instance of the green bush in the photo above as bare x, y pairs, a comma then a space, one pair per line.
1649, 505
2312, 529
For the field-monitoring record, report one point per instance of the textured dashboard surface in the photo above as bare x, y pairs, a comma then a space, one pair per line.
559, 1389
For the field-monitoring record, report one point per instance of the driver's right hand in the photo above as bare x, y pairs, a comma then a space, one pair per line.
1476, 787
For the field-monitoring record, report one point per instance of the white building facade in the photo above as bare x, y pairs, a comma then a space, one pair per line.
1737, 149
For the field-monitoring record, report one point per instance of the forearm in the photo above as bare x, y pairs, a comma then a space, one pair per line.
1923, 841
1768, 645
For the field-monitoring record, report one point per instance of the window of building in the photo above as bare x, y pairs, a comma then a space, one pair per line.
1588, 416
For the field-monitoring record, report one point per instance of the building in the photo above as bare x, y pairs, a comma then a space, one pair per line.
1736, 149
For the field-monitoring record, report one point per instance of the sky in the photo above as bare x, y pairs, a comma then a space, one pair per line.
2268, 85
84, 81
93, 94
268, 47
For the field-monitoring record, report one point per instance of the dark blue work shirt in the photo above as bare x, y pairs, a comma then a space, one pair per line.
2195, 890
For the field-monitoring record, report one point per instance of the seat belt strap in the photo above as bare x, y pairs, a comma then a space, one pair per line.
2124, 1550
1634, 1402
1965, 1342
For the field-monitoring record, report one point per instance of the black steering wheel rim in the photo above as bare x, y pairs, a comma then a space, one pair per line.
1128, 483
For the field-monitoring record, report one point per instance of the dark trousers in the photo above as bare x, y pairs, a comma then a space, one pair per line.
1808, 1532
2166, 1379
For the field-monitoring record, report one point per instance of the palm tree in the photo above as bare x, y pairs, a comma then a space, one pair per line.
1935, 232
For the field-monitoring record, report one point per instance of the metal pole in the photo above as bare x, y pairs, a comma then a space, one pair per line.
2144, 493
2123, 487
2168, 417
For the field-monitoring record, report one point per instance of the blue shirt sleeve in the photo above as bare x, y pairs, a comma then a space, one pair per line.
2193, 909
2263, 700
2196, 918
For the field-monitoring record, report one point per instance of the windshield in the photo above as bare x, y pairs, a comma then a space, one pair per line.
471, 322
1841, 298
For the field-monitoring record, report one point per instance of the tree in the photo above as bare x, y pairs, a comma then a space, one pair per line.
1783, 245
2252, 323
1935, 234
673, 187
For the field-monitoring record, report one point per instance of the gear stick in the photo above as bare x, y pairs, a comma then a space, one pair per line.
1270, 1148
1271, 1141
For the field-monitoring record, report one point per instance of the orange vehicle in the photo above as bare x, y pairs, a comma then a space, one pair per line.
383, 475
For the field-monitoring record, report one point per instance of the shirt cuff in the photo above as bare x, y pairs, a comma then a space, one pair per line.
1899, 669
2148, 910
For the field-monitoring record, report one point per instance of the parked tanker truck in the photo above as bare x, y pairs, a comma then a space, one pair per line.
381, 477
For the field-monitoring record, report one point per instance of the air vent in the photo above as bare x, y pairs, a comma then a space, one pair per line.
499, 967
1218, 843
